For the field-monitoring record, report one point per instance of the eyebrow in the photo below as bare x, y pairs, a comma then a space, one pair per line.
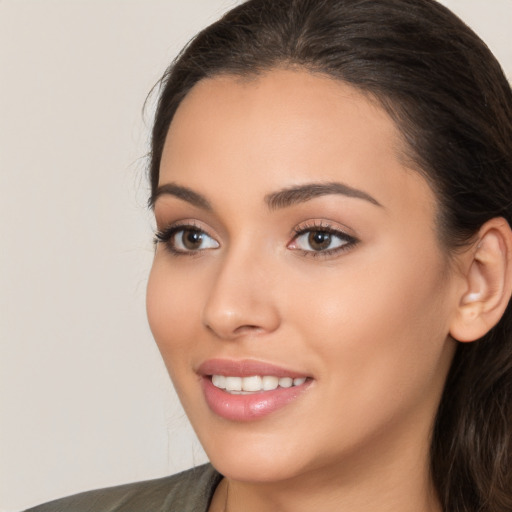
184, 193
302, 193
275, 200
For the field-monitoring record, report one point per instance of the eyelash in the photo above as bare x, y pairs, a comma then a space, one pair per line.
321, 227
165, 236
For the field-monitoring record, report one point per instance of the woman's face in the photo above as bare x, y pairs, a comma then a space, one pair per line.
297, 250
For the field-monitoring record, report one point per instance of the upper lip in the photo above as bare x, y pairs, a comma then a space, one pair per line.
245, 368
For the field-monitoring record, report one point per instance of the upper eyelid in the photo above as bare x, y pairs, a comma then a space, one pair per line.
171, 228
323, 224
183, 224
342, 235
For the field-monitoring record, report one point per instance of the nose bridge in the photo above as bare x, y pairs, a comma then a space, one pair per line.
240, 299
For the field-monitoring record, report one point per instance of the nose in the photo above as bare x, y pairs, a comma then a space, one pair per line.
241, 300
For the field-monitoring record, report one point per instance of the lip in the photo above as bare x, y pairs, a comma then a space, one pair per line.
245, 368
244, 408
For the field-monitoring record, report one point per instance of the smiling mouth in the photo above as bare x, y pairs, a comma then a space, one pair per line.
254, 383
249, 390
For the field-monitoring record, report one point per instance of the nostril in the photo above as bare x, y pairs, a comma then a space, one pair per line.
230, 312
247, 328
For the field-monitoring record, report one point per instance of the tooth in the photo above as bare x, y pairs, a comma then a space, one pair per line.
286, 382
219, 381
233, 383
251, 383
254, 383
269, 383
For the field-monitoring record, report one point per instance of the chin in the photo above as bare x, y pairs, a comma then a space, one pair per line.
263, 469
256, 457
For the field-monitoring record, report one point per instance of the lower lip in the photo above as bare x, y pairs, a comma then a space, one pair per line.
249, 407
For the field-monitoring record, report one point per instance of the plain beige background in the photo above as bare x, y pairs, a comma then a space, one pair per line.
84, 398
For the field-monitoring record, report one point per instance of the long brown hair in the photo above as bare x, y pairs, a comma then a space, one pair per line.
453, 106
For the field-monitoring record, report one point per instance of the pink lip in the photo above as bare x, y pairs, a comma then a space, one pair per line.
252, 406
244, 368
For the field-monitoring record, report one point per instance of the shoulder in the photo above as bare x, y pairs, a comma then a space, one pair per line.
190, 490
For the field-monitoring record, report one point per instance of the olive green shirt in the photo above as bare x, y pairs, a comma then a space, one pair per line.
189, 491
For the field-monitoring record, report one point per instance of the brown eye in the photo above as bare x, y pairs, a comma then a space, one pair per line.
191, 239
322, 241
319, 240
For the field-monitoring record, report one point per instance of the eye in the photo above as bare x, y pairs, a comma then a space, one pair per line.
192, 240
318, 241
321, 240
186, 239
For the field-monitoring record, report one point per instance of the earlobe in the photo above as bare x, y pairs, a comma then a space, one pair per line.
488, 282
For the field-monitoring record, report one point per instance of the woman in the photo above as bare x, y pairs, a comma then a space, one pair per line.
331, 182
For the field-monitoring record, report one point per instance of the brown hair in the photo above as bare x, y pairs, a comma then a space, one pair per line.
453, 106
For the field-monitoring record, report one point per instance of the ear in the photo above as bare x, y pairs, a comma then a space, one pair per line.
488, 282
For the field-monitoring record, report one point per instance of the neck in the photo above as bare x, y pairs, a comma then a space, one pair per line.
395, 481
328, 497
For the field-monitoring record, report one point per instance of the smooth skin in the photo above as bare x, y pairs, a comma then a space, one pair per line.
366, 314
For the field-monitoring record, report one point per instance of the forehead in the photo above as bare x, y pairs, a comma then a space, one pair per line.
282, 105
282, 128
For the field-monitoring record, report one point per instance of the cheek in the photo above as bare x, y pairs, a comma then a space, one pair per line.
172, 311
379, 331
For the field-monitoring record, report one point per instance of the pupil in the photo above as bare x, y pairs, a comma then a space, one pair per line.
319, 240
192, 239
